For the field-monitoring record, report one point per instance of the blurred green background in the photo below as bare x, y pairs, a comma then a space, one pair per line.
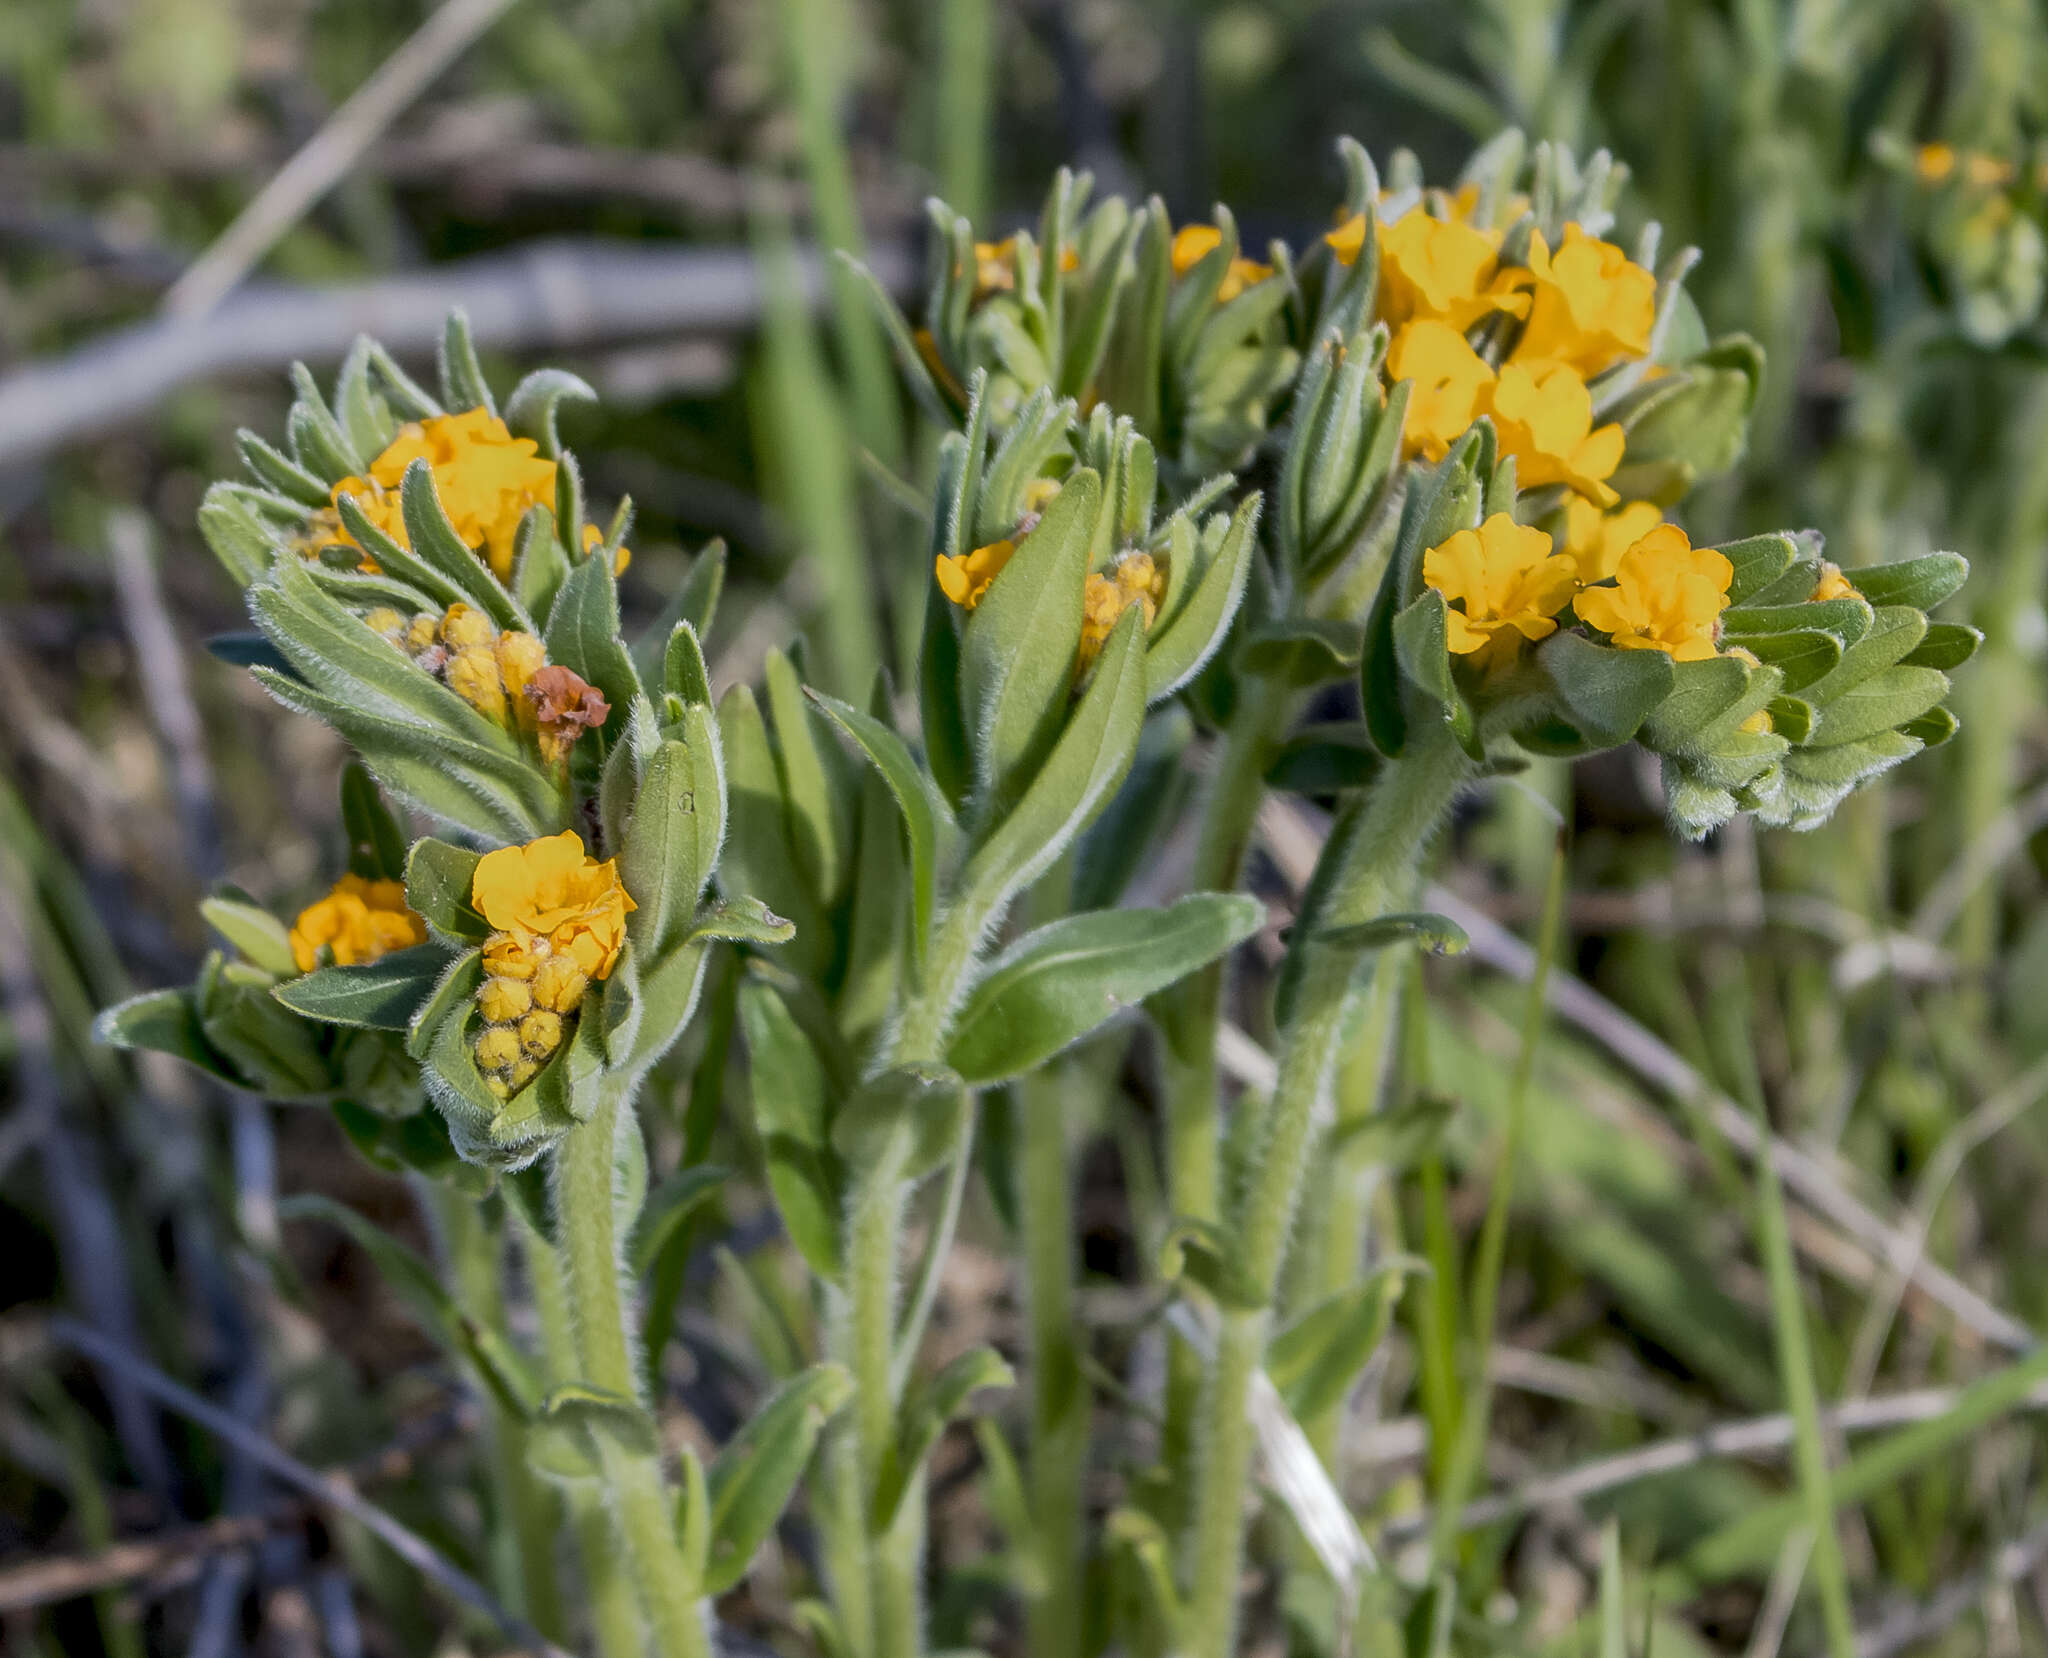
1882, 983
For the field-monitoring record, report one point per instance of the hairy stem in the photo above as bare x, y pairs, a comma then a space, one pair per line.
607, 1591
1365, 866
639, 1501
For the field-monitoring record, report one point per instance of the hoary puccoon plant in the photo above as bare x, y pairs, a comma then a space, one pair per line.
1369, 519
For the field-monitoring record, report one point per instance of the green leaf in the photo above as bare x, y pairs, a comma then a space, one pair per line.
1606, 693
261, 938
1207, 1255
668, 1208
378, 995
1057, 984
1017, 650
1421, 634
1399, 1137
452, 996
434, 541
671, 841
741, 921
908, 1118
280, 472
1303, 651
753, 1477
530, 410
1078, 778
463, 386
1945, 645
583, 636
317, 441
1438, 934
1847, 619
1804, 656
814, 798
376, 843
245, 527
164, 1022
792, 1109
924, 1418
438, 879
1196, 628
1323, 759
926, 820
577, 1429
1921, 582
683, 672
1758, 561
1315, 1361
1887, 699
364, 415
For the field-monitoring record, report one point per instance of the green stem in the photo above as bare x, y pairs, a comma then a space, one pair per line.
585, 1205
1365, 867
1059, 1401
476, 1266
607, 1592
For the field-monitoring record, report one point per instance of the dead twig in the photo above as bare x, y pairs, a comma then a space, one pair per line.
549, 296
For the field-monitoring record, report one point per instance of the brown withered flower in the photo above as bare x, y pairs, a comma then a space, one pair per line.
565, 705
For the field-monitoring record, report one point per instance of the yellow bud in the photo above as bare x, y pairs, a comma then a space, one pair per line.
513, 956
473, 676
496, 1048
523, 1071
559, 985
386, 621
520, 657
1759, 723
465, 629
540, 1033
421, 632
501, 1001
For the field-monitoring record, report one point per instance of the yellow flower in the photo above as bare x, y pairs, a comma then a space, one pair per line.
1668, 596
1135, 579
1935, 162
1590, 304
486, 479
1194, 243
1987, 171
964, 577
1509, 581
995, 268
593, 537
550, 890
358, 921
1832, 584
1451, 383
1544, 416
1596, 539
1442, 268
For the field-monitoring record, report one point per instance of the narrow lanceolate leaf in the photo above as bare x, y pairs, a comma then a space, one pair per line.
908, 1118
752, 1479
583, 636
1078, 777
378, 995
668, 1206
924, 1418
926, 820
1315, 1360
164, 1022
434, 539
530, 410
792, 1105
1199, 625
669, 847
1055, 985
261, 938
820, 811
1017, 651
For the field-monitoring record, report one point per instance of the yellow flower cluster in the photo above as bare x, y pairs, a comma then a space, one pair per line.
357, 922
558, 921
1506, 582
1939, 163
1134, 579
487, 481
505, 676
1578, 311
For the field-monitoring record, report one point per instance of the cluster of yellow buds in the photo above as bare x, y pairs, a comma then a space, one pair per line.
358, 921
1135, 578
558, 920
504, 675
487, 481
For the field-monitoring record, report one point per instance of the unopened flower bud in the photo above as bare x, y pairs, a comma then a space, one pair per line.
473, 676
540, 1033
502, 1001
465, 629
559, 985
497, 1048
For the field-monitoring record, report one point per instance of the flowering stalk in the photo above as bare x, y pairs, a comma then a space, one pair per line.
1378, 843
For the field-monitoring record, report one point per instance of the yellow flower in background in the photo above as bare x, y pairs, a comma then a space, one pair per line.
593, 538
1451, 383
551, 891
1668, 595
1442, 269
1194, 243
1832, 583
486, 478
1135, 579
1935, 162
1596, 540
1589, 303
964, 577
995, 265
357, 922
1544, 415
1510, 582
